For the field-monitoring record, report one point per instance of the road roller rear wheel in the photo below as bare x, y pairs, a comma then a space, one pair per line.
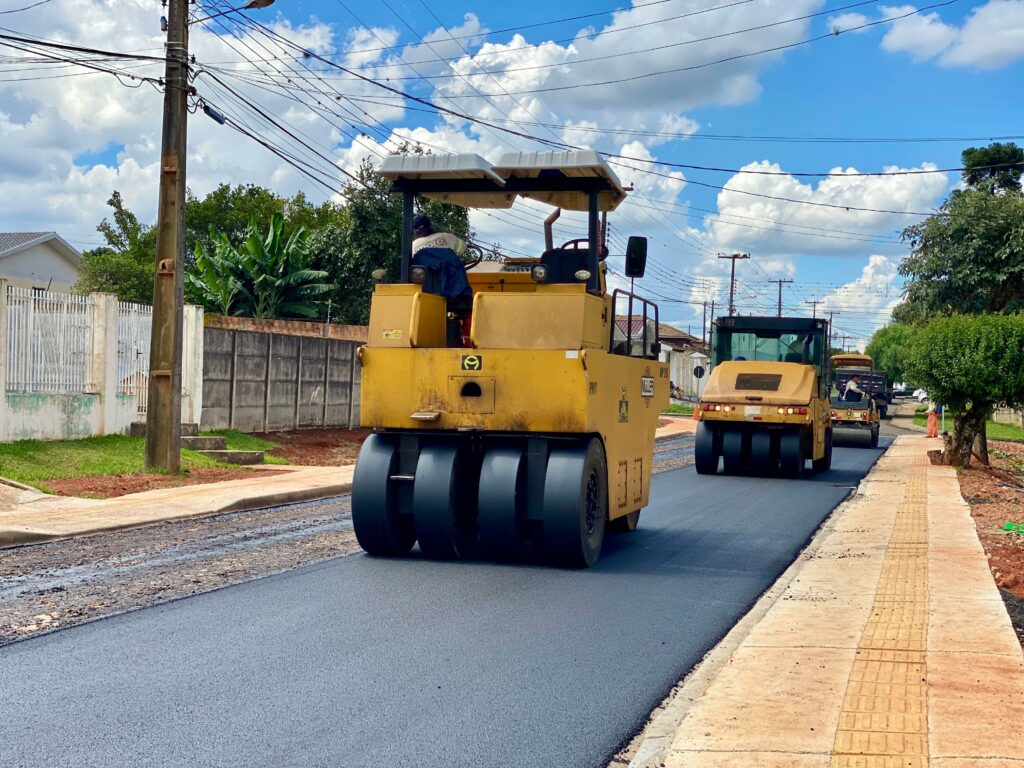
791, 454
443, 497
626, 523
706, 451
575, 504
764, 458
732, 451
501, 498
874, 437
825, 462
380, 527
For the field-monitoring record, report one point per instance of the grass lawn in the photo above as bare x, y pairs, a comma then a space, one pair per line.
240, 441
685, 410
33, 462
993, 429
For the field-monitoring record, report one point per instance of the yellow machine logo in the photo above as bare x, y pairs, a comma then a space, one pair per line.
392, 334
472, 362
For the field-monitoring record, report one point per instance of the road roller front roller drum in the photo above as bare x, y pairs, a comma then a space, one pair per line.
380, 525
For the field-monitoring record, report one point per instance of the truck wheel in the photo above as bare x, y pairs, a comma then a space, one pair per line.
575, 504
791, 454
705, 450
825, 462
732, 451
501, 499
380, 527
874, 437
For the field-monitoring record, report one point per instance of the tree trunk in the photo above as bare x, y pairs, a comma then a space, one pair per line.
980, 447
966, 427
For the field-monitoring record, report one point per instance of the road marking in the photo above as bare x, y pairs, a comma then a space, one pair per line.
884, 719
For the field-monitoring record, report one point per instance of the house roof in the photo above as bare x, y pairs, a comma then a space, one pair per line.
15, 242
668, 334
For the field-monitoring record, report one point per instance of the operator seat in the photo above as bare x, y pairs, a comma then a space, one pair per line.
564, 263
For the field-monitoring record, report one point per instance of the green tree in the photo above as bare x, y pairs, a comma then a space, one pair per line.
889, 348
126, 265
229, 211
215, 279
970, 364
968, 258
369, 237
268, 277
981, 164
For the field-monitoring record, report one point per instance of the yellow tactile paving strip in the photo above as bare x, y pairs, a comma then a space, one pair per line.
884, 718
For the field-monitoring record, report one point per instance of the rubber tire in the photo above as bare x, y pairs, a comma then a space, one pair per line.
442, 505
762, 460
706, 451
732, 451
824, 464
791, 454
573, 470
626, 523
380, 527
501, 499
874, 437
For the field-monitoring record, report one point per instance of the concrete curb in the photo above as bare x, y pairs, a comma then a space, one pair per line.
14, 537
659, 733
19, 486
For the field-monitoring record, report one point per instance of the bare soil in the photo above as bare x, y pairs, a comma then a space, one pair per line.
109, 486
996, 496
317, 447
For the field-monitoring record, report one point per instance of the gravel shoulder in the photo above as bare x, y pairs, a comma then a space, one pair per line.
45, 587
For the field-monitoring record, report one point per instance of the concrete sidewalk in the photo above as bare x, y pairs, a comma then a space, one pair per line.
886, 644
28, 516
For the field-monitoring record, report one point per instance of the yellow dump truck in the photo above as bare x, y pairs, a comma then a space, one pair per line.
520, 418
765, 408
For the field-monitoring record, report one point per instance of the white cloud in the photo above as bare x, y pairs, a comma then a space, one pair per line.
741, 222
848, 21
865, 304
991, 37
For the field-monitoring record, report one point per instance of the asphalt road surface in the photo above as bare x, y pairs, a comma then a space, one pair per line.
363, 662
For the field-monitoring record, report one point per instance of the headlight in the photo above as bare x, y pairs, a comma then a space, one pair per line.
418, 274
582, 275
539, 273
379, 275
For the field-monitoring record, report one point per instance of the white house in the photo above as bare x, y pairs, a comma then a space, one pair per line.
42, 260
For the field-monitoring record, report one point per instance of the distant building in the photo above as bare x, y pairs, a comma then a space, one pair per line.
42, 260
681, 350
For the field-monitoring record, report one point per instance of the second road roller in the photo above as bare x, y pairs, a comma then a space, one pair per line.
765, 408
513, 402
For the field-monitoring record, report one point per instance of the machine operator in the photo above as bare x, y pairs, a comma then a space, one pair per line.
853, 393
441, 251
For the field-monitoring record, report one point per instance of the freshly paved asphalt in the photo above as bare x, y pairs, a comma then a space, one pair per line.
362, 662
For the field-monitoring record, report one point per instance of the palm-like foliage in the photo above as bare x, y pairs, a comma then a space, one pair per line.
268, 277
215, 280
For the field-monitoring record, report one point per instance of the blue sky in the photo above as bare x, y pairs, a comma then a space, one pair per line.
948, 71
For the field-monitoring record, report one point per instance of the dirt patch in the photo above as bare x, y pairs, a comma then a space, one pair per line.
996, 496
109, 486
317, 447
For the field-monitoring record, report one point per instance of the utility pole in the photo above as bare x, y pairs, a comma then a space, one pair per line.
814, 306
732, 278
831, 312
704, 326
780, 282
163, 416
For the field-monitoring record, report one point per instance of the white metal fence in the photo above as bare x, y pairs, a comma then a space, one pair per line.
48, 341
134, 326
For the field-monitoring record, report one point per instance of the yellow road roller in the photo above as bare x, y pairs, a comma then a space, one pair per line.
514, 417
765, 409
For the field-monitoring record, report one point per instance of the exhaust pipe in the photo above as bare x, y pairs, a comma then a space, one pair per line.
549, 237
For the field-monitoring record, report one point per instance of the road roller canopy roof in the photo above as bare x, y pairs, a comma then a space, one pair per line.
770, 339
852, 361
563, 179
